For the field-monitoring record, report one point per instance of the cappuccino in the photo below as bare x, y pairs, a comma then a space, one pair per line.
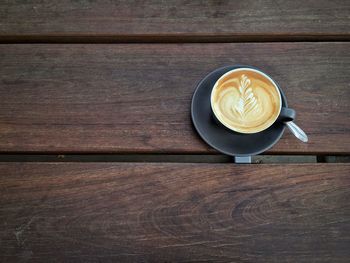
246, 100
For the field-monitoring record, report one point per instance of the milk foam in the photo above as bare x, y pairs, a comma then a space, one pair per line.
245, 101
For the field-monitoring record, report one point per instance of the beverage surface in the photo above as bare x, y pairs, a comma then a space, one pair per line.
246, 101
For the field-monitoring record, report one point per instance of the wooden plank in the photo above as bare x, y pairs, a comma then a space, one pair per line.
174, 18
135, 212
136, 98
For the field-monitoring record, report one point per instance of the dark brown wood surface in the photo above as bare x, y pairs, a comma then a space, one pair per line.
136, 97
174, 212
157, 17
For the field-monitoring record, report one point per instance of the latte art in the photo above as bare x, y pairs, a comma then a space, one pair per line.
246, 101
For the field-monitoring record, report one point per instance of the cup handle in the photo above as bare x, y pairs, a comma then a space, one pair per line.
286, 114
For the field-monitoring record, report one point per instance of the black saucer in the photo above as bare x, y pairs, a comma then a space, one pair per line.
218, 136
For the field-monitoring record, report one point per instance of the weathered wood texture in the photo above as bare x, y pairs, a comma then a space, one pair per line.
174, 212
136, 98
158, 17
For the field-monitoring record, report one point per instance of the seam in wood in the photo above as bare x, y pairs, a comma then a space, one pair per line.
169, 38
170, 158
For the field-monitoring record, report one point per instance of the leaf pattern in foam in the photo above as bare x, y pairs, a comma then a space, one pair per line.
247, 101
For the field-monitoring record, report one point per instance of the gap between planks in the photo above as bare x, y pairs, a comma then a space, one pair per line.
169, 38
169, 158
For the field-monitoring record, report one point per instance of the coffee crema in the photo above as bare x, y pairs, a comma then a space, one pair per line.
246, 101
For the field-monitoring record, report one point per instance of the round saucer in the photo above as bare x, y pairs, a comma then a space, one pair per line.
220, 137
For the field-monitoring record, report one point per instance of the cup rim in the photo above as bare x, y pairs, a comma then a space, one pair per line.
256, 71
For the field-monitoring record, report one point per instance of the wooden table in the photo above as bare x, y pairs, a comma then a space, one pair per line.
100, 161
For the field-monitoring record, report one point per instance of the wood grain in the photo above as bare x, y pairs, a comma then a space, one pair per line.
136, 98
134, 212
182, 17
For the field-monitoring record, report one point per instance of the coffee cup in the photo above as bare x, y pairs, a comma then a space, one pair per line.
246, 100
